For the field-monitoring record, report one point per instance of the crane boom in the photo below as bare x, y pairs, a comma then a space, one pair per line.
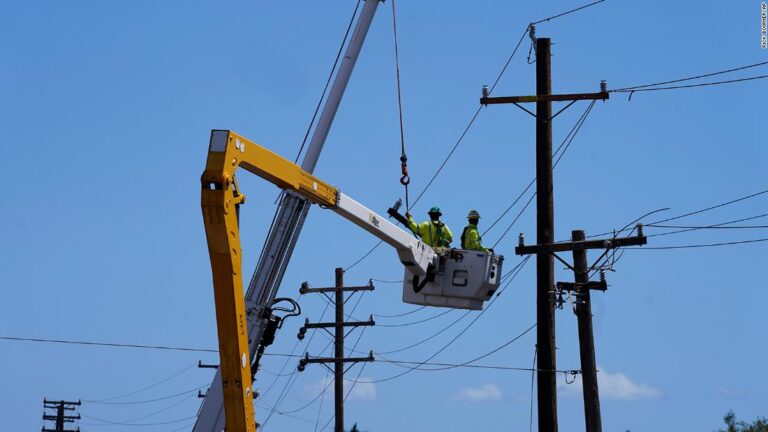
220, 201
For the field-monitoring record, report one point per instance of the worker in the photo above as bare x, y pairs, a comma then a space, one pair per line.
470, 237
432, 232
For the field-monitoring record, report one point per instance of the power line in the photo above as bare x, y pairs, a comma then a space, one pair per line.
468, 363
139, 402
568, 12
702, 245
438, 315
762, 192
111, 423
328, 81
455, 338
692, 85
164, 380
635, 88
564, 145
108, 344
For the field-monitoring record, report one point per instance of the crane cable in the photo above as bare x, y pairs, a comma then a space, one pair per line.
405, 179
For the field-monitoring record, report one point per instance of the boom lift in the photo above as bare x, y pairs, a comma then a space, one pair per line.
451, 278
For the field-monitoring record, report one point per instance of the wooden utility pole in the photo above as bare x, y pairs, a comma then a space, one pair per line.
581, 288
545, 227
60, 419
338, 369
586, 337
545, 223
339, 324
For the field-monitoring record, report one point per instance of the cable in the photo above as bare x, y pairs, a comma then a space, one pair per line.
401, 314
164, 380
564, 145
107, 422
452, 340
692, 85
530, 415
634, 88
364, 255
700, 245
468, 363
107, 344
289, 383
417, 322
149, 400
568, 12
405, 179
710, 208
328, 81
291, 379
162, 410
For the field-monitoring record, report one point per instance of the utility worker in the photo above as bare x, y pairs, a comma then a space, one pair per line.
432, 232
470, 237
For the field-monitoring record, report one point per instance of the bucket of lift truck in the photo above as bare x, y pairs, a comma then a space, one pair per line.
463, 279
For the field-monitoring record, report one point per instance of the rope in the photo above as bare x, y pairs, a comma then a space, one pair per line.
405, 179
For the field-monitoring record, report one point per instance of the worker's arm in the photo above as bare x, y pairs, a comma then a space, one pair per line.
413, 226
472, 240
448, 235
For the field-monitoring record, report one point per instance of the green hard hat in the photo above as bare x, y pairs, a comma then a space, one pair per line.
435, 210
473, 214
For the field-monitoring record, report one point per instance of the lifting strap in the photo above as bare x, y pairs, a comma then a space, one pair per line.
405, 179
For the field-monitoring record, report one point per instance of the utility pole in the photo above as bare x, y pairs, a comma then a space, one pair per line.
339, 335
545, 227
60, 418
581, 291
545, 221
583, 311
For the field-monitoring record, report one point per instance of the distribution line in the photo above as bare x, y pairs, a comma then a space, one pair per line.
701, 245
455, 338
565, 145
635, 88
762, 192
328, 81
475, 115
164, 380
171, 396
752, 78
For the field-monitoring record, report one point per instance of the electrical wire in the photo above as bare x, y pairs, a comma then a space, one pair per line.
635, 88
107, 344
455, 338
565, 145
700, 245
438, 315
145, 401
468, 363
475, 115
328, 81
108, 423
568, 12
762, 192
153, 385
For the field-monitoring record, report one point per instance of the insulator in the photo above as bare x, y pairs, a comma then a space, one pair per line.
486, 92
603, 86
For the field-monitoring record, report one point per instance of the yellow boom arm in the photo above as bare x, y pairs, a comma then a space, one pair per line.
220, 198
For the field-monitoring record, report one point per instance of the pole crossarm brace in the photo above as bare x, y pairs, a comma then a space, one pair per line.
307, 360
305, 289
370, 322
612, 243
543, 98
577, 286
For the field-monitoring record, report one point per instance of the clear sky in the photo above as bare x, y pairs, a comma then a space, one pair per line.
107, 108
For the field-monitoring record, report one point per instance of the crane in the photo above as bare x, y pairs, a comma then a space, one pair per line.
450, 278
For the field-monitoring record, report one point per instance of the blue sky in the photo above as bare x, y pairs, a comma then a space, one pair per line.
107, 108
